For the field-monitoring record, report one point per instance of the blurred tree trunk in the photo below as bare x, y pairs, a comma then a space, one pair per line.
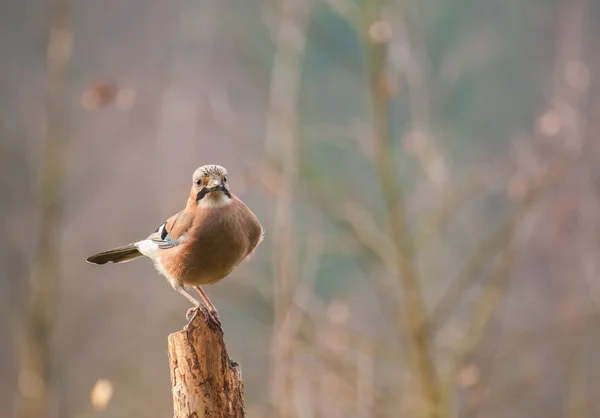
281, 146
412, 321
34, 340
205, 382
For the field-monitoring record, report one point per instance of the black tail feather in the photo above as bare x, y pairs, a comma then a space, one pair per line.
115, 255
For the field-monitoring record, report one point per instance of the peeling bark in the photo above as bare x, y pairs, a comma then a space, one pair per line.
205, 382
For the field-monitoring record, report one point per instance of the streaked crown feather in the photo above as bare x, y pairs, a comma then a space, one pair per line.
210, 170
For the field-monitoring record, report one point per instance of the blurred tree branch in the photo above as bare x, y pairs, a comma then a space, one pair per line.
471, 271
431, 223
37, 362
375, 41
282, 145
484, 309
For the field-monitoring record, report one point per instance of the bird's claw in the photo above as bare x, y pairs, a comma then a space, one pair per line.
191, 313
211, 318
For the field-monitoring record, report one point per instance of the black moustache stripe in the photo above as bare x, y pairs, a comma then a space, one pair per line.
224, 190
201, 194
205, 191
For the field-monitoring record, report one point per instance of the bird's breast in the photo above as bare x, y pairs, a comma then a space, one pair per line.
217, 243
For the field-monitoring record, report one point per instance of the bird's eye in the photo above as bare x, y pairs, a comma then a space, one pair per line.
224, 178
198, 182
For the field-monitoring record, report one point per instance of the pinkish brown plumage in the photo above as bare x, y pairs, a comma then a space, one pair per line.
220, 239
203, 243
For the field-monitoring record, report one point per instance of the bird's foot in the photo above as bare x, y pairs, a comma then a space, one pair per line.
192, 313
211, 318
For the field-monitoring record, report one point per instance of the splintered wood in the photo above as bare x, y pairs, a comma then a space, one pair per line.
205, 382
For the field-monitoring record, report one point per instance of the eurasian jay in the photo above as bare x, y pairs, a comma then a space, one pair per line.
203, 243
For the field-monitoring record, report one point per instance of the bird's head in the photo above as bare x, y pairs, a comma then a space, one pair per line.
210, 187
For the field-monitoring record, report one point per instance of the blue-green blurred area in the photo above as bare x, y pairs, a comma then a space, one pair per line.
438, 256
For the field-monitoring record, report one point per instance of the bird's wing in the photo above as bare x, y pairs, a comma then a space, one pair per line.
173, 231
178, 224
164, 244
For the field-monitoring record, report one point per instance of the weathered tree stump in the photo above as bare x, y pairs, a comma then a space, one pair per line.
205, 382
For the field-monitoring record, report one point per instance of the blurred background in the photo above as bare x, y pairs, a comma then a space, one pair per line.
426, 171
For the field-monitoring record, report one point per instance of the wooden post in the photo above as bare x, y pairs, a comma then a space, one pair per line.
205, 382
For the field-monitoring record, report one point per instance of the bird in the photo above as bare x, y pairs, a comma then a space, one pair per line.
200, 245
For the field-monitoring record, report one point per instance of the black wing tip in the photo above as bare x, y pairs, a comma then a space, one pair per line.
91, 261
94, 259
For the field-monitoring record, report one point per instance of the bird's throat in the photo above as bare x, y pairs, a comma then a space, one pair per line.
214, 199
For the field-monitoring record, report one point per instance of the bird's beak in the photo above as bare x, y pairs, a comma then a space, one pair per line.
213, 185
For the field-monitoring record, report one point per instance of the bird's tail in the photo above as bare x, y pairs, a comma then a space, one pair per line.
116, 255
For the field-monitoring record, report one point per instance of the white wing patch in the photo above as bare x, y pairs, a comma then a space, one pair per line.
149, 248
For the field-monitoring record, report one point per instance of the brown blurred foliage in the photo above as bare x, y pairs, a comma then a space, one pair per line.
427, 174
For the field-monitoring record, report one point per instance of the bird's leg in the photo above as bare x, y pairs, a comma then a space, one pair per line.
179, 287
206, 300
192, 312
211, 308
